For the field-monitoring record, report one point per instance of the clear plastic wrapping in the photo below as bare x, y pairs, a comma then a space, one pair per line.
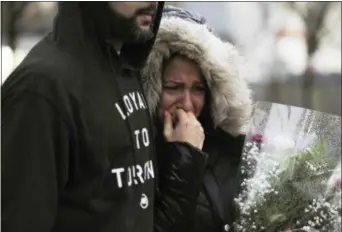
291, 169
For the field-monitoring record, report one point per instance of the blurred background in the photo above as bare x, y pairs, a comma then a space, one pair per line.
291, 50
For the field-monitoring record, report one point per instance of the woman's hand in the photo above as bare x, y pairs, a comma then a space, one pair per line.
188, 129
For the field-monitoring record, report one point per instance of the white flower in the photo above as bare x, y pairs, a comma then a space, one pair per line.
280, 143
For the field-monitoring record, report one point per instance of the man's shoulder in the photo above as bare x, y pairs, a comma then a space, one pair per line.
50, 76
49, 60
46, 68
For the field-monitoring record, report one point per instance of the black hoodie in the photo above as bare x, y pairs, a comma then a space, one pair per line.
77, 147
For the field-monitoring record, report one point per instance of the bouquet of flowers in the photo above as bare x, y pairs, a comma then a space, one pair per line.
291, 171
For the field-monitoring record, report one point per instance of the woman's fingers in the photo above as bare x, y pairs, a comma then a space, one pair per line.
168, 129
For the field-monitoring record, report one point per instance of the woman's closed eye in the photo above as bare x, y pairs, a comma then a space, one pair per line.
198, 89
173, 88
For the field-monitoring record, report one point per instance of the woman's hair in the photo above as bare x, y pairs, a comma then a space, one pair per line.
174, 55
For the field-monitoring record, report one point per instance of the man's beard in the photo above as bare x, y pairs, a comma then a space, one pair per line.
127, 30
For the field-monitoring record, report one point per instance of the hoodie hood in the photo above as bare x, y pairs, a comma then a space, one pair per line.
187, 34
84, 26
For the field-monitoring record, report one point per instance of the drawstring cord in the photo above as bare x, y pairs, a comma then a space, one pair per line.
111, 63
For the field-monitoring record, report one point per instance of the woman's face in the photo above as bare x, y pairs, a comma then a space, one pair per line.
183, 87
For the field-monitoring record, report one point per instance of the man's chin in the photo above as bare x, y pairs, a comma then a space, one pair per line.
146, 29
144, 35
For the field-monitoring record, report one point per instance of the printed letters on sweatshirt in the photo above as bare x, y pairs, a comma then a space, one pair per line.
138, 173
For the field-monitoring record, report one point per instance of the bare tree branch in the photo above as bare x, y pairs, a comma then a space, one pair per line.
314, 22
313, 14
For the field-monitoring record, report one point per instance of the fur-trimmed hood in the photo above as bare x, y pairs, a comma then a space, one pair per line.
231, 103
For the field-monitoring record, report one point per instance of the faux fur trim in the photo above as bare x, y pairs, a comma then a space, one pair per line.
231, 104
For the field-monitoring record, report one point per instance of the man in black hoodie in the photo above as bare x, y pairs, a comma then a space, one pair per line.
77, 146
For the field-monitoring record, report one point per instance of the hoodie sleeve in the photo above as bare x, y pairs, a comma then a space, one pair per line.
33, 162
179, 184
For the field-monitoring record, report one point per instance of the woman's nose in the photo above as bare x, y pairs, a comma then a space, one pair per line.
186, 102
